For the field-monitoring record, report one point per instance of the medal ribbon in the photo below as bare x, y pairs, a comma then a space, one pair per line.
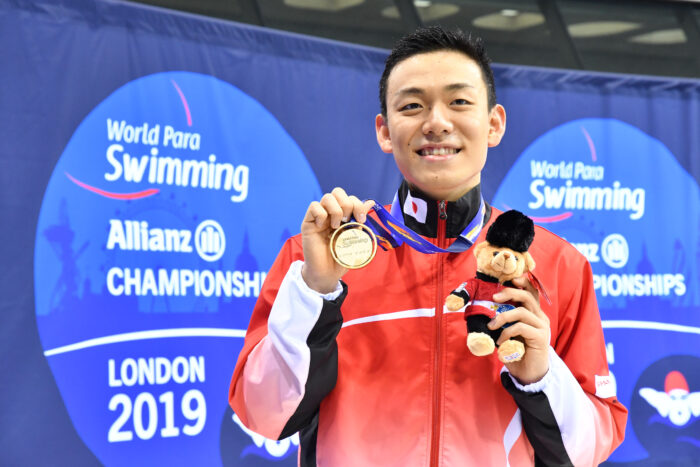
391, 232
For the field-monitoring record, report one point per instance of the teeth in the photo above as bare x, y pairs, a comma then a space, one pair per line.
438, 151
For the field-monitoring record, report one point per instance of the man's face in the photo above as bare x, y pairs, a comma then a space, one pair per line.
438, 125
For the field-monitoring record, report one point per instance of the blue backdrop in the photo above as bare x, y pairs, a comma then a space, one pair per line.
152, 164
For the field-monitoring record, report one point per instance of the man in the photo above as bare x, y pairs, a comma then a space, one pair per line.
373, 370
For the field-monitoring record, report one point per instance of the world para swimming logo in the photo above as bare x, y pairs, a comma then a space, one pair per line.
614, 192
153, 241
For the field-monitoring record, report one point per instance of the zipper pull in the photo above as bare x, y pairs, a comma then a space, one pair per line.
443, 209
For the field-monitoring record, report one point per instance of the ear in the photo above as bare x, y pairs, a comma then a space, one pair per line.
529, 262
383, 136
497, 125
478, 247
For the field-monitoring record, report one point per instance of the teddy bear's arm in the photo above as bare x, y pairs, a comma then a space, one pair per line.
457, 298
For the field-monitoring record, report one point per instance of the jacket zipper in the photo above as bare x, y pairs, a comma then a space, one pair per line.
439, 301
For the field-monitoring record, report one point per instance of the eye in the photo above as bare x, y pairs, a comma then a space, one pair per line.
411, 106
495, 253
516, 258
461, 102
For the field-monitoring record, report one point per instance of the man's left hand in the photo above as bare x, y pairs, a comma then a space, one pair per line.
531, 325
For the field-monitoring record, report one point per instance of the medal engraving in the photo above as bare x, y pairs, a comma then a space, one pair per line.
353, 245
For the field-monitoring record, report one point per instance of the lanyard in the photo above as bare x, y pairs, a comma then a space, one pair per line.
391, 232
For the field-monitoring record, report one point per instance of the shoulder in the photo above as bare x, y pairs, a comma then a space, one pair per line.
551, 245
548, 247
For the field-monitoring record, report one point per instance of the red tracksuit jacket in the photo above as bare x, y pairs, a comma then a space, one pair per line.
378, 373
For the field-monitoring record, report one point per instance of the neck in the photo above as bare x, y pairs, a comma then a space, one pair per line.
424, 215
450, 195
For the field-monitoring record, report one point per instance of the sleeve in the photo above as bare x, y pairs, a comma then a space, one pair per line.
289, 360
572, 415
461, 292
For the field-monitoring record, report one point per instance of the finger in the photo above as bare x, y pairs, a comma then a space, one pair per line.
516, 330
521, 296
339, 192
523, 282
520, 330
361, 208
519, 314
532, 337
358, 209
333, 208
316, 214
346, 203
366, 208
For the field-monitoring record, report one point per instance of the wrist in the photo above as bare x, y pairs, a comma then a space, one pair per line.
320, 284
538, 380
530, 379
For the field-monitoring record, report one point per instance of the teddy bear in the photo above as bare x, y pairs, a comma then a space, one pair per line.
502, 257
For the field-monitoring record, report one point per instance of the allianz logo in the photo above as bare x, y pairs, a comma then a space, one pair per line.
208, 239
613, 250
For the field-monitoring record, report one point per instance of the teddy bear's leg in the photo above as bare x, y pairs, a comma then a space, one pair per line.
480, 344
511, 351
480, 338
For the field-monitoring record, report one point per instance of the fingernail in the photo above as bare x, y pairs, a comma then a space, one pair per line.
362, 218
491, 323
498, 295
345, 219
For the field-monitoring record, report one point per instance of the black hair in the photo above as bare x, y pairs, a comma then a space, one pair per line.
435, 39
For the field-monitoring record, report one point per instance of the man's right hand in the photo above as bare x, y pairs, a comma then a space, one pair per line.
320, 272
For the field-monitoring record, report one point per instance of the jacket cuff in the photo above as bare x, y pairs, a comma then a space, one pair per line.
296, 277
555, 364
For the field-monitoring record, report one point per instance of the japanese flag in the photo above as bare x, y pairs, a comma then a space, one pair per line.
416, 208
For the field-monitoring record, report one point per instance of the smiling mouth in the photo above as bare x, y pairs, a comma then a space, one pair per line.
437, 151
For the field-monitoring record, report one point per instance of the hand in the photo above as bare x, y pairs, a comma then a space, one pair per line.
320, 271
532, 327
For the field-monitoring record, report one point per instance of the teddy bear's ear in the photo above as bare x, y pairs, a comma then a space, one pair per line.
529, 262
478, 247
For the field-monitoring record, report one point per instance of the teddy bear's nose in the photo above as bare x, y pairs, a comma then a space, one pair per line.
506, 255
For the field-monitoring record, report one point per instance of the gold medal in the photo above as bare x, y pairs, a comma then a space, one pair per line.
353, 245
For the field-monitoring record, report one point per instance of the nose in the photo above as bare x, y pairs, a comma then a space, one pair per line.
437, 121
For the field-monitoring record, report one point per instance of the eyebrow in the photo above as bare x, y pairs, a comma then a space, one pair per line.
419, 91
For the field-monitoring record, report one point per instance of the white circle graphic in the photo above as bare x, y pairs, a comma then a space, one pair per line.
210, 241
615, 251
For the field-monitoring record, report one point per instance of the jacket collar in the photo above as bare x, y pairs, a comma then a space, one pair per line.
421, 213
